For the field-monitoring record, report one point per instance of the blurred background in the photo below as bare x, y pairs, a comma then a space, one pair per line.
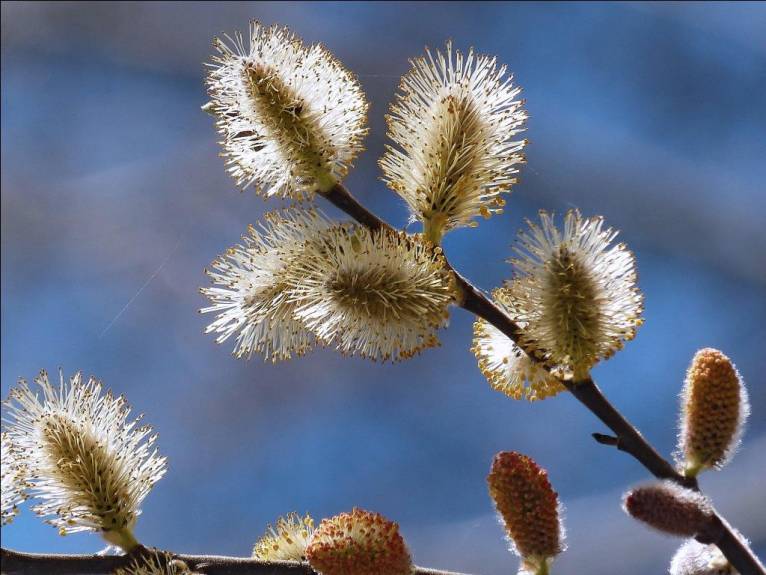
114, 200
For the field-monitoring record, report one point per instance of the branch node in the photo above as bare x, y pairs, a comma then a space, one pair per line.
605, 439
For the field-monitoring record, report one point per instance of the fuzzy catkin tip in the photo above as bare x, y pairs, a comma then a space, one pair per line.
358, 543
528, 506
249, 295
287, 541
670, 508
714, 408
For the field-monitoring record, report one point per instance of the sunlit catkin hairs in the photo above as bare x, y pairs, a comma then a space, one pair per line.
575, 292
249, 295
13, 472
358, 543
156, 563
694, 558
287, 541
88, 465
529, 509
454, 124
379, 294
714, 408
506, 366
292, 118
670, 508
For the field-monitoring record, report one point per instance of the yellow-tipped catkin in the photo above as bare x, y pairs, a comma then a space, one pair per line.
378, 294
714, 408
529, 508
358, 543
287, 541
291, 117
670, 508
575, 292
454, 126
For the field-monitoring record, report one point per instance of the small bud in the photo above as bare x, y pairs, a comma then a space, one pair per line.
528, 506
694, 558
287, 541
358, 543
713, 412
670, 508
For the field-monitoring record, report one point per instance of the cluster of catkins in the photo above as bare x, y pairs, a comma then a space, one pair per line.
292, 120
73, 448
714, 408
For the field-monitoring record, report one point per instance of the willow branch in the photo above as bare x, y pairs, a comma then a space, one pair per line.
17, 563
627, 438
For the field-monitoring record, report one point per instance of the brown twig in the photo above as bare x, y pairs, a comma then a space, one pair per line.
17, 563
626, 437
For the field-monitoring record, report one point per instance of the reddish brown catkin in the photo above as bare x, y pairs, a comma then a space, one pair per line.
528, 505
670, 508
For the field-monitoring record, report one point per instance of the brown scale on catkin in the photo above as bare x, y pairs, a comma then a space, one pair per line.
358, 543
527, 504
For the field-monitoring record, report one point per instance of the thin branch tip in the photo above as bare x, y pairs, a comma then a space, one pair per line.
18, 563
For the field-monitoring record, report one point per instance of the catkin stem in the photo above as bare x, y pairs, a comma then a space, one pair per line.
123, 538
433, 229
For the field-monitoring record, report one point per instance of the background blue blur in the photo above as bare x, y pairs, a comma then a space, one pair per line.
114, 200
